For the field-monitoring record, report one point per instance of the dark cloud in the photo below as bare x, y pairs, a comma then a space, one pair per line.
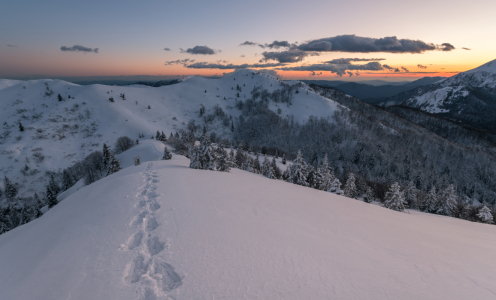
421, 66
465, 48
248, 43
12, 46
388, 67
334, 68
347, 61
277, 45
315, 74
205, 65
167, 49
179, 61
79, 48
353, 43
396, 70
405, 69
203, 50
289, 56
447, 47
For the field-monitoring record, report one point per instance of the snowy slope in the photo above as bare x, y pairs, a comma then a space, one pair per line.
449, 94
164, 231
59, 133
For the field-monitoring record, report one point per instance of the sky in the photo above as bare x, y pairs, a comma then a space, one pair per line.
388, 40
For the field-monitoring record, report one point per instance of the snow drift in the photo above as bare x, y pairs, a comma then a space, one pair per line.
164, 231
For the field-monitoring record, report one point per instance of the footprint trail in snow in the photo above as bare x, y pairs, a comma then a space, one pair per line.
153, 277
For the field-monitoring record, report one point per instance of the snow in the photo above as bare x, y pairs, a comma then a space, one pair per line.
66, 131
161, 230
489, 67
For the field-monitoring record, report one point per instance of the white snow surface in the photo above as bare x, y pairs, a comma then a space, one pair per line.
161, 230
489, 67
64, 132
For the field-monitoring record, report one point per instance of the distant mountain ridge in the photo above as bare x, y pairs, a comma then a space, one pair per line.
469, 97
375, 93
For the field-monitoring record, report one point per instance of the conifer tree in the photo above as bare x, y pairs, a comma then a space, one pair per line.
53, 186
114, 165
411, 194
298, 171
163, 137
350, 189
485, 215
283, 158
239, 158
10, 189
137, 160
257, 168
59, 97
369, 195
194, 161
265, 166
106, 155
167, 154
447, 202
336, 187
67, 181
231, 159
158, 136
21, 128
277, 171
395, 199
325, 174
50, 198
223, 164
431, 201
205, 153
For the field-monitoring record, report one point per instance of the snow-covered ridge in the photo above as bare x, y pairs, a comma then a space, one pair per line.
164, 231
57, 133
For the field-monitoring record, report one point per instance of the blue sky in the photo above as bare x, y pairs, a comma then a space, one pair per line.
131, 35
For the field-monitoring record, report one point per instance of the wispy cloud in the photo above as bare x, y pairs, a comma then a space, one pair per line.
79, 48
11, 46
339, 69
167, 49
421, 66
205, 65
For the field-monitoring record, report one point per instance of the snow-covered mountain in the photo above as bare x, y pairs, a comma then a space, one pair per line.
468, 97
58, 133
164, 231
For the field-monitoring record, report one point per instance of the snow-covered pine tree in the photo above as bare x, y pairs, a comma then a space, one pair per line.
50, 198
324, 171
298, 171
158, 136
265, 166
277, 171
205, 153
239, 158
114, 165
431, 201
350, 189
67, 181
54, 187
223, 164
395, 199
283, 158
231, 159
447, 202
167, 154
369, 195
10, 189
106, 155
257, 168
163, 137
194, 161
137, 160
336, 187
485, 215
411, 194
